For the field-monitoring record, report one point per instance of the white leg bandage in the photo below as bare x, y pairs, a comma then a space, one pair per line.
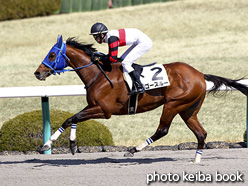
143, 145
57, 134
73, 132
54, 136
198, 156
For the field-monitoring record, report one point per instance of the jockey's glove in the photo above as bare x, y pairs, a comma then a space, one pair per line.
99, 57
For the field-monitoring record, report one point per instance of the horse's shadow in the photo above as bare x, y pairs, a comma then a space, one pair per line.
69, 162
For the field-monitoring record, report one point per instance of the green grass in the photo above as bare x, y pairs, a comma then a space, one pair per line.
212, 36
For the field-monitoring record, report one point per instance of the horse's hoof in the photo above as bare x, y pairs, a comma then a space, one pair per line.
45, 148
128, 154
73, 147
73, 150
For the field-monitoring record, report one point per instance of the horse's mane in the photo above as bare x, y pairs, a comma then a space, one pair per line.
87, 48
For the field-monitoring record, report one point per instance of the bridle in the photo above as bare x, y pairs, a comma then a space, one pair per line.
61, 60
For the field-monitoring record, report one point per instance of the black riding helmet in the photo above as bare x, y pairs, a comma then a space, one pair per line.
97, 30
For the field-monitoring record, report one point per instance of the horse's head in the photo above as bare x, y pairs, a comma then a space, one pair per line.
54, 62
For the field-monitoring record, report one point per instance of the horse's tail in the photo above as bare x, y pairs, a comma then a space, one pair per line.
219, 81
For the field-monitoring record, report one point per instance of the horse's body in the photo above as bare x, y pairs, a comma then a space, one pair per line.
184, 96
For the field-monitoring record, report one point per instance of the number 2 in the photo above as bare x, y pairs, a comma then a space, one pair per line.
155, 76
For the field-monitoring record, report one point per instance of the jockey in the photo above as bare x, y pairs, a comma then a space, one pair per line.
140, 44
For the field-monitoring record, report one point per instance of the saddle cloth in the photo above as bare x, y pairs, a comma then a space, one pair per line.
151, 76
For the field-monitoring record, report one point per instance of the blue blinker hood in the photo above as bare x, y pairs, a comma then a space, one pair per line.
59, 63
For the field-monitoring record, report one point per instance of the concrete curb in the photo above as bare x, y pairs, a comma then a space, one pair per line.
93, 149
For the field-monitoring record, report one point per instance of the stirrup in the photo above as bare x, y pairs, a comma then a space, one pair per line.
137, 91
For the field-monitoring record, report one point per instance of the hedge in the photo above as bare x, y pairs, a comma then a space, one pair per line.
24, 132
17, 9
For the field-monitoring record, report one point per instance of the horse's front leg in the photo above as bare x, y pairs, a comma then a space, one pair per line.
95, 112
87, 113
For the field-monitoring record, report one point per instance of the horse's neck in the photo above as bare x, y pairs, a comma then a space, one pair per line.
80, 59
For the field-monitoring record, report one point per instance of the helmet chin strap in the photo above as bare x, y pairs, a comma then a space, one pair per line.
101, 38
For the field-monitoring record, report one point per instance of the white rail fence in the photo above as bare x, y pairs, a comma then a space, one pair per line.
67, 90
44, 92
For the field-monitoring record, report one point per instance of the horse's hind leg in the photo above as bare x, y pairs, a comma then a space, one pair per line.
169, 112
190, 118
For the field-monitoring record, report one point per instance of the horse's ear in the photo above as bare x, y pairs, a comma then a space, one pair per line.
58, 38
60, 41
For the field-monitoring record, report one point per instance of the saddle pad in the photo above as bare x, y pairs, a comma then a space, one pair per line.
152, 77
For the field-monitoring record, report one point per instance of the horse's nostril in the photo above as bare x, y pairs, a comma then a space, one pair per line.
37, 74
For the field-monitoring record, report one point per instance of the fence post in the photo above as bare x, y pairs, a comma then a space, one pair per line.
246, 121
46, 121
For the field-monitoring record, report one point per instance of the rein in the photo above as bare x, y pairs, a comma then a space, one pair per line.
101, 70
67, 70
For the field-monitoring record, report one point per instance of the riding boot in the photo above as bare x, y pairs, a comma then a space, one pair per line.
137, 85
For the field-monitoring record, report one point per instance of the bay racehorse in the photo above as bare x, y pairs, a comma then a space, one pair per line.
107, 93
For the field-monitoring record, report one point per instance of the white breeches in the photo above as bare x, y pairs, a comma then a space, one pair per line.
138, 49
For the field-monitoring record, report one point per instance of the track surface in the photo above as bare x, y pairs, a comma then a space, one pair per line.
111, 168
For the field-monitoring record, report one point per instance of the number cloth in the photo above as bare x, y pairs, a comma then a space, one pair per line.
152, 77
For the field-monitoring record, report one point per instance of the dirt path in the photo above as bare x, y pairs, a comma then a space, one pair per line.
114, 169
